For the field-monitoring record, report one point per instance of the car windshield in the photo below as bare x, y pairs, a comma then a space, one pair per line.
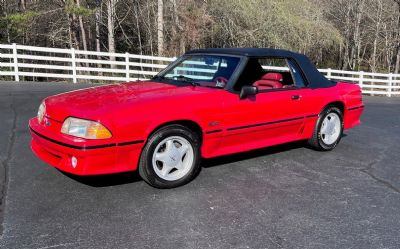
203, 70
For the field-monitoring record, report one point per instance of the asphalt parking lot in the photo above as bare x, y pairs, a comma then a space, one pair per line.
282, 197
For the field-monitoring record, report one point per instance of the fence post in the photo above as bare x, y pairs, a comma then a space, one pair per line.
127, 67
390, 83
361, 80
329, 73
15, 59
73, 62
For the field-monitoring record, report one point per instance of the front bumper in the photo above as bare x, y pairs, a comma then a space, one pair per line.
92, 159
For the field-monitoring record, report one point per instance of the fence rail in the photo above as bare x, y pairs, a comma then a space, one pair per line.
29, 63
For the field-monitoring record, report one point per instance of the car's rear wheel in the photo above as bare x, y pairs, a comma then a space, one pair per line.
171, 157
329, 129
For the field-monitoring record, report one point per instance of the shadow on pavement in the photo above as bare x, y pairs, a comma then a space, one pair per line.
212, 162
106, 180
131, 177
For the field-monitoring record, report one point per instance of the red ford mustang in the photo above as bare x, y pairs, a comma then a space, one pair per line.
208, 103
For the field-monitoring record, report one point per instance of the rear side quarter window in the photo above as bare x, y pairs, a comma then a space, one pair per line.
297, 74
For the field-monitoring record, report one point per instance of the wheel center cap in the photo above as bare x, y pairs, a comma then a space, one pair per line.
174, 158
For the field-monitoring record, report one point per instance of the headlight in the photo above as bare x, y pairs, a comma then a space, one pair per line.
41, 111
85, 129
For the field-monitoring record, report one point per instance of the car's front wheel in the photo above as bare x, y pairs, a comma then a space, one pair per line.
329, 129
171, 157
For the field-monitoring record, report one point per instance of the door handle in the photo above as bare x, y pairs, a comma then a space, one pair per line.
296, 97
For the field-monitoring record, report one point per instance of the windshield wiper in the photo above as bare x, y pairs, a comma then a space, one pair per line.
217, 87
187, 80
157, 77
183, 77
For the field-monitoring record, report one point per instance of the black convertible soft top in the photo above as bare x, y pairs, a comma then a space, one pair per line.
313, 76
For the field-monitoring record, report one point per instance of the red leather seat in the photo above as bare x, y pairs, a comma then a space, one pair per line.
269, 81
288, 86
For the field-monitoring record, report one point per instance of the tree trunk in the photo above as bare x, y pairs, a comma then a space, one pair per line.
71, 44
397, 64
174, 28
72, 28
346, 52
4, 7
179, 39
150, 29
111, 27
357, 33
160, 28
98, 15
139, 35
82, 29
82, 33
376, 37
22, 8
97, 24
22, 5
73, 40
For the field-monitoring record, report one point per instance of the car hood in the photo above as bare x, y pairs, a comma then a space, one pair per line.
92, 102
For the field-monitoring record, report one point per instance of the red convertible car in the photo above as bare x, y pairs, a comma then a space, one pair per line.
208, 103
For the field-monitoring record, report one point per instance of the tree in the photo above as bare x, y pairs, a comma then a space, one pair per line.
397, 60
82, 27
97, 24
356, 35
111, 6
160, 27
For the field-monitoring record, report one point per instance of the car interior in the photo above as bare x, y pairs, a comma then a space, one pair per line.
227, 70
265, 77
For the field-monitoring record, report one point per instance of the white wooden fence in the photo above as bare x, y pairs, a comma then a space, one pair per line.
29, 63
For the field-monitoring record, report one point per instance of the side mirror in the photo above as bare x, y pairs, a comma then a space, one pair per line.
248, 91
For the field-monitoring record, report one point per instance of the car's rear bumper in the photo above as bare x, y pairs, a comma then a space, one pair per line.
91, 160
352, 116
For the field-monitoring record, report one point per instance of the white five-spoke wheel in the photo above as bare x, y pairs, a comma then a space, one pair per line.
173, 158
328, 130
331, 128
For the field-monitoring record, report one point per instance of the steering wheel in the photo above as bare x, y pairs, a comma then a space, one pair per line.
220, 81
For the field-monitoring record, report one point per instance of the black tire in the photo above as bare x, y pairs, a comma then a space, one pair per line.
316, 141
146, 170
